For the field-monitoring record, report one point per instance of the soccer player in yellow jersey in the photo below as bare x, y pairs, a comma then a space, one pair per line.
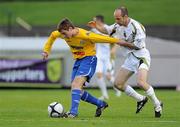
82, 46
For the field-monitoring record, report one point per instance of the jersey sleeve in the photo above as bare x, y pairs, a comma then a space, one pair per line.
97, 38
50, 41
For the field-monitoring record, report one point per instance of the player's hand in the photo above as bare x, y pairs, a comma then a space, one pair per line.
120, 43
92, 24
45, 55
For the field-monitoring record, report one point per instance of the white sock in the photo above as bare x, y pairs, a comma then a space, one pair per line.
150, 92
102, 85
132, 93
118, 92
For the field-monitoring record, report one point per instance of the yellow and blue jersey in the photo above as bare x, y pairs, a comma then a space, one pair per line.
81, 45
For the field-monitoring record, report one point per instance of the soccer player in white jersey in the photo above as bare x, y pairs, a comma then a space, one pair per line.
137, 58
105, 64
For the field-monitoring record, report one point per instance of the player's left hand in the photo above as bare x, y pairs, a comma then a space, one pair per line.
92, 24
45, 55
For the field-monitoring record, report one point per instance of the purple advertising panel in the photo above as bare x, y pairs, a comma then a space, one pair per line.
31, 70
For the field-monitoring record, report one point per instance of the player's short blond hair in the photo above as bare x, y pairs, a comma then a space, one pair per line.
65, 24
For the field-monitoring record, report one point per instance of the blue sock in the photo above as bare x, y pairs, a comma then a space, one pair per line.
91, 99
76, 96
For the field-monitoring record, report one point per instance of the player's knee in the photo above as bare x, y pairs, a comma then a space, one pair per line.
118, 85
75, 85
141, 83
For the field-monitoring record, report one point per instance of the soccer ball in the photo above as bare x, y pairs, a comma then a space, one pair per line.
55, 110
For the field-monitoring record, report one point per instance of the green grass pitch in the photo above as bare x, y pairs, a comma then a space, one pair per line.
28, 108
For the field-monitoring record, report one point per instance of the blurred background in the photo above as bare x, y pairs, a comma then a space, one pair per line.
26, 24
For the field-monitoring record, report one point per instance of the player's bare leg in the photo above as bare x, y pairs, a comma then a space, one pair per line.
120, 83
111, 79
142, 82
78, 82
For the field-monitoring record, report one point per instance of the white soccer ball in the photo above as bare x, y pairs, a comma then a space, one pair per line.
55, 110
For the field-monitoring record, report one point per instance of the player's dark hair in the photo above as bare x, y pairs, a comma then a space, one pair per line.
124, 10
65, 24
100, 17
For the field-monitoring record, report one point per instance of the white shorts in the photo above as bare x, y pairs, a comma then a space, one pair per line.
133, 63
103, 65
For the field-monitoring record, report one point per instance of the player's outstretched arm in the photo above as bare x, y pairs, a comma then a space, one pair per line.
49, 43
97, 38
98, 26
128, 45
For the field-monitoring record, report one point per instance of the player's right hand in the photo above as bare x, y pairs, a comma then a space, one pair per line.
45, 55
92, 24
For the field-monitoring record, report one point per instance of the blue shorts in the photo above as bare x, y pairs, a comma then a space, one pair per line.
84, 67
